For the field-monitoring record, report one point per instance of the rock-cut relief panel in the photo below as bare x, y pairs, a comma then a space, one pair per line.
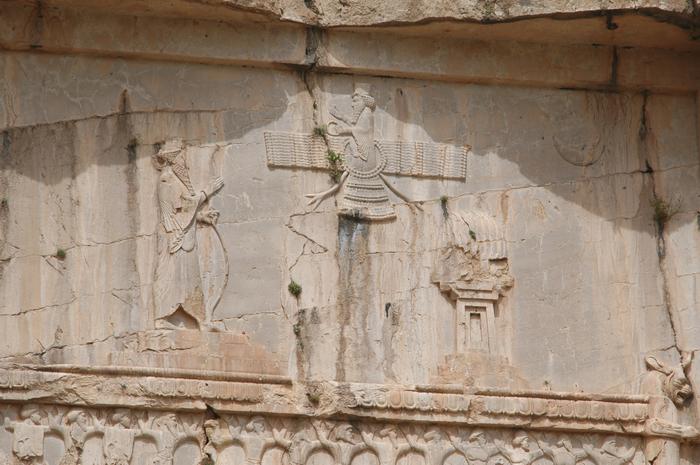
185, 293
191, 272
131, 437
326, 442
359, 159
670, 393
471, 269
106, 437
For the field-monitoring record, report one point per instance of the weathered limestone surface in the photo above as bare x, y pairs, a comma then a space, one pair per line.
393, 233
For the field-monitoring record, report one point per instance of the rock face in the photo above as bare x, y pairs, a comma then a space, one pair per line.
349, 232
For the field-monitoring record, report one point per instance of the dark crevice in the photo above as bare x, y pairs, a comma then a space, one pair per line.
313, 39
38, 28
614, 67
643, 124
311, 5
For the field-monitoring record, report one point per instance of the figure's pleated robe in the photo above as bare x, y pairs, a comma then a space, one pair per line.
178, 282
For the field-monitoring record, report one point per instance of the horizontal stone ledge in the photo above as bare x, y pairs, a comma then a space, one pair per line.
149, 37
161, 373
474, 59
622, 398
576, 66
182, 390
236, 393
590, 68
277, 379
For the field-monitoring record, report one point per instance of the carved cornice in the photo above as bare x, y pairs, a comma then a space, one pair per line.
189, 390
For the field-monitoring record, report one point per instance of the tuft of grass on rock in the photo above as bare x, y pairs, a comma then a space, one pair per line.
664, 210
294, 288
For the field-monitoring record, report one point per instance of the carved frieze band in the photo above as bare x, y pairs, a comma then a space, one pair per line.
67, 435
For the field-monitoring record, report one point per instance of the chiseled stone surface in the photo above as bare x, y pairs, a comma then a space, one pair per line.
345, 232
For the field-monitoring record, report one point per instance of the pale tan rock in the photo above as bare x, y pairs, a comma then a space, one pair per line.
345, 232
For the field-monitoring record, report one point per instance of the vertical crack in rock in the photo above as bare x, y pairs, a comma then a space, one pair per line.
302, 356
5, 256
308, 77
299, 327
313, 39
614, 68
647, 150
37, 26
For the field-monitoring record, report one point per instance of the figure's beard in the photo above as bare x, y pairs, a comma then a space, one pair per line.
356, 114
183, 175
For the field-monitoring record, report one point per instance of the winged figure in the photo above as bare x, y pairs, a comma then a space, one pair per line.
364, 160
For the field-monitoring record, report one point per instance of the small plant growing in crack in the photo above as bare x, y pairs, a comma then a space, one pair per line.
320, 131
60, 254
664, 210
294, 288
472, 234
4, 203
297, 329
443, 205
335, 162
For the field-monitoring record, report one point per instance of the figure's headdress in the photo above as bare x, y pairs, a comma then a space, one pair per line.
170, 149
362, 91
167, 155
520, 437
255, 420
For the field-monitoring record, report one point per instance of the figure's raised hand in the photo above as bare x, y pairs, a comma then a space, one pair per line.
316, 200
332, 128
335, 128
210, 216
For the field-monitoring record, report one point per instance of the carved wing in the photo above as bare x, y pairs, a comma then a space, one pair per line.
297, 150
480, 227
424, 159
167, 215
